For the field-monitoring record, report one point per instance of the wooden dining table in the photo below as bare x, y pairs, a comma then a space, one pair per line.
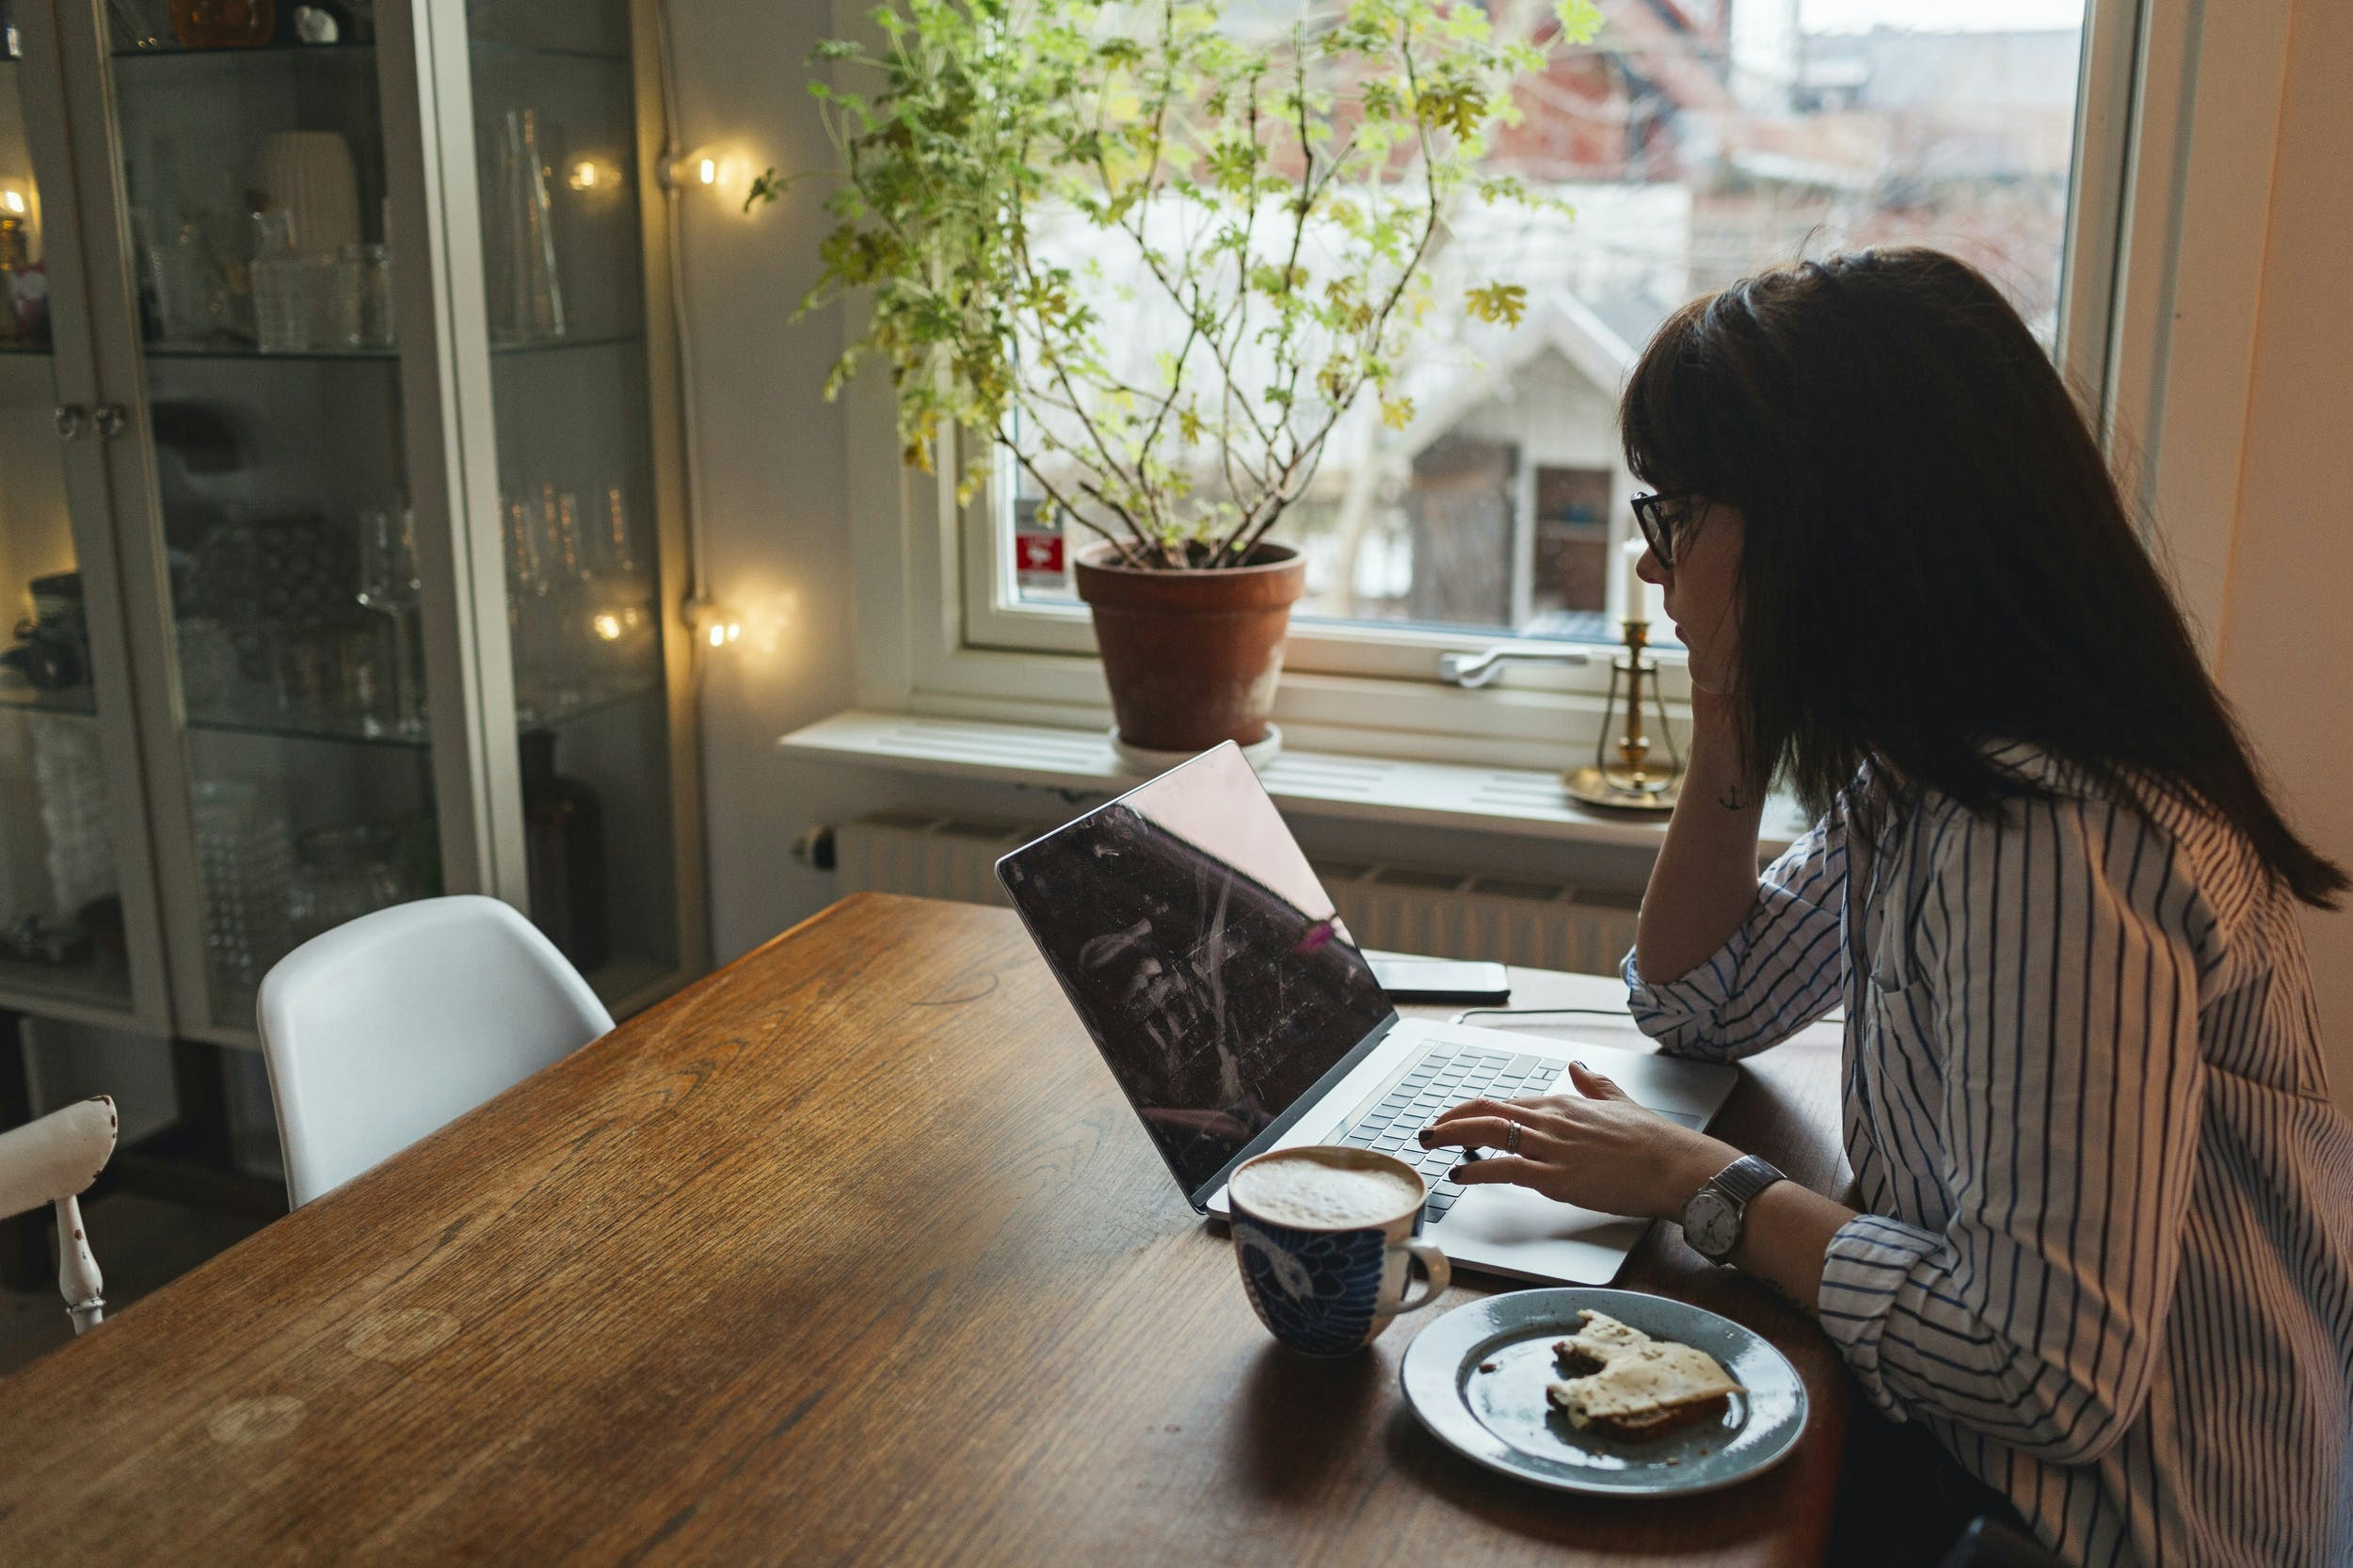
851, 1253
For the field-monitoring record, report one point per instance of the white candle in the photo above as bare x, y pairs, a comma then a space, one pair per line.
1643, 600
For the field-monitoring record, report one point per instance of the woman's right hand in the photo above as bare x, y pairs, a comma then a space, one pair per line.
1704, 883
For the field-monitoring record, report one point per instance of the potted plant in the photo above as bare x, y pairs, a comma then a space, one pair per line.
1159, 254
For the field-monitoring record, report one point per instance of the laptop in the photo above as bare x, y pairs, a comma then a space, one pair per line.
1238, 1015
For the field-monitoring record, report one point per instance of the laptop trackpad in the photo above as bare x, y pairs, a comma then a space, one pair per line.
1514, 1231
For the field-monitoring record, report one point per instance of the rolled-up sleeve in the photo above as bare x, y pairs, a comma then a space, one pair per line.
2057, 971
1774, 975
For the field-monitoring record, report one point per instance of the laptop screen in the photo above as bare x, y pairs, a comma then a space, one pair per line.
1202, 955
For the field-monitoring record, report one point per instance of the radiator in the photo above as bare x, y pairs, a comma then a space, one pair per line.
1399, 908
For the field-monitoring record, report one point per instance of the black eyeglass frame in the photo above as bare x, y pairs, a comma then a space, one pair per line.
1656, 532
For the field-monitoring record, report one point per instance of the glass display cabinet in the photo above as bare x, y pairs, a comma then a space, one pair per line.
80, 934
341, 509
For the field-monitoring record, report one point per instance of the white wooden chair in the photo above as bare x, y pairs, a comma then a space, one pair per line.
52, 1161
382, 1029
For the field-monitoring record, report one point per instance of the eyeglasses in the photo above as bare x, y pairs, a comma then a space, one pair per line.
1668, 521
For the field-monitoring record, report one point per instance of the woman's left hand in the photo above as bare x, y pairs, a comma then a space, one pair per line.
1596, 1148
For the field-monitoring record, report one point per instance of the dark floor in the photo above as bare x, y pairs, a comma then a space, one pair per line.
141, 1245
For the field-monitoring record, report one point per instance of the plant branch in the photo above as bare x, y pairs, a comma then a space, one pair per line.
1062, 503
1147, 126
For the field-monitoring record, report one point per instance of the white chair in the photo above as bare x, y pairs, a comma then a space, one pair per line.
52, 1161
384, 1029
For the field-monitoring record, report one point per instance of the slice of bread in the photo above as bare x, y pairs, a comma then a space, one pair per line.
1598, 1340
1648, 1429
1637, 1388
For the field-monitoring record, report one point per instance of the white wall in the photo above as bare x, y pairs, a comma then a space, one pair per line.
2286, 639
772, 463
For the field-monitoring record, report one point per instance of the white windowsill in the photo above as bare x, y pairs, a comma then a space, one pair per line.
1521, 801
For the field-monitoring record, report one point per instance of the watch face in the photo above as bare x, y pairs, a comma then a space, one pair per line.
1710, 1224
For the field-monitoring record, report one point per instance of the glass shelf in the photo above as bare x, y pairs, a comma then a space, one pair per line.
359, 50
352, 729
102, 980
549, 346
495, 50
240, 352
75, 700
339, 728
172, 51
247, 351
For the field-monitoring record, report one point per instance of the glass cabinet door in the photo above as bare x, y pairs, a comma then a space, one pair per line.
250, 149
565, 196
78, 934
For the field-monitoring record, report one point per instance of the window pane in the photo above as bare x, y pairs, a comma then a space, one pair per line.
1694, 141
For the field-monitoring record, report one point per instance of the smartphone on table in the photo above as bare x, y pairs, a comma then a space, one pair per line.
1408, 979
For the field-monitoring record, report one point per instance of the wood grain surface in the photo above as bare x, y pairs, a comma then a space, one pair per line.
849, 1253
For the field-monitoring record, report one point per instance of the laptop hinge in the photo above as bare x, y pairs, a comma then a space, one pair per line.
1272, 1132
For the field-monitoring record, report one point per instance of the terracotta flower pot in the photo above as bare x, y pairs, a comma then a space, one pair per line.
1193, 657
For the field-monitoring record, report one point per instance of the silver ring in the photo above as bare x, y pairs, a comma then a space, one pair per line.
1511, 1137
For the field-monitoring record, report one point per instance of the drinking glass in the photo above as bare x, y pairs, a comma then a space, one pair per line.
364, 283
344, 872
245, 851
280, 311
390, 586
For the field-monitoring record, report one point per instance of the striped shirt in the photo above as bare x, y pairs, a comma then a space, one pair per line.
2106, 1247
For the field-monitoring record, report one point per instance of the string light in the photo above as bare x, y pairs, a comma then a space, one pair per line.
723, 171
12, 201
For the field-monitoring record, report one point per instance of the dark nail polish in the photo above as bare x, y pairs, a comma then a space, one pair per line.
1424, 1136
1457, 1172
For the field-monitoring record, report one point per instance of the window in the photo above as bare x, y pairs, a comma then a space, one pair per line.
1694, 141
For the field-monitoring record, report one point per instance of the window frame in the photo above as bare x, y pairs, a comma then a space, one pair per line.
2159, 288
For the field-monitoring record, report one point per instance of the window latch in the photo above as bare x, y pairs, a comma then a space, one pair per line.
1483, 669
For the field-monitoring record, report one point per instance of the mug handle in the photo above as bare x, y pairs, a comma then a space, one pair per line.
1433, 1265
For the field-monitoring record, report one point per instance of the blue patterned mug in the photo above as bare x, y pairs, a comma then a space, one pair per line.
1324, 1236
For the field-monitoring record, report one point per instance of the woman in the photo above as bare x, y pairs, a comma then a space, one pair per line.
2102, 1246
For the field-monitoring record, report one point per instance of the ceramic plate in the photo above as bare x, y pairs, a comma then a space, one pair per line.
1477, 1376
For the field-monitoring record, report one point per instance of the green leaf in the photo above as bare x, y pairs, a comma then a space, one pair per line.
1580, 20
1504, 302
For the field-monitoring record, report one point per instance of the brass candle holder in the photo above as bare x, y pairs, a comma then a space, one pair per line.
1634, 782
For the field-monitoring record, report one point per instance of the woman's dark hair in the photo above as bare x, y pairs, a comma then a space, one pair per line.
1935, 555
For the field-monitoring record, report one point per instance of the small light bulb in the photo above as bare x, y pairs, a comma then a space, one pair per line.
585, 175
718, 636
708, 171
607, 626
733, 631
12, 199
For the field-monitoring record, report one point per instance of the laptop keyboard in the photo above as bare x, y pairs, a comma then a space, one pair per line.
1445, 1075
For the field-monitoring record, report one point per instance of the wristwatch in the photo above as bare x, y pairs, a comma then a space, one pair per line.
1712, 1220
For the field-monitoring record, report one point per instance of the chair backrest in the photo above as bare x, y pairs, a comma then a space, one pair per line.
389, 1026
54, 1159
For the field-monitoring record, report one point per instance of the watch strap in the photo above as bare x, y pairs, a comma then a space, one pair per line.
1744, 1178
